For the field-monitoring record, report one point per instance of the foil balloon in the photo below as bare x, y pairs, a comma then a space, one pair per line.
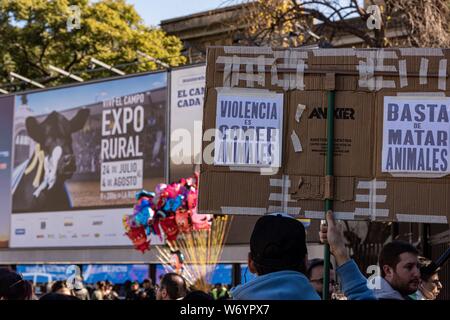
139, 239
182, 220
201, 221
170, 228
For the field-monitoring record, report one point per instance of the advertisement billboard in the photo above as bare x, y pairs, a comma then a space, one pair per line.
115, 273
6, 123
80, 154
187, 89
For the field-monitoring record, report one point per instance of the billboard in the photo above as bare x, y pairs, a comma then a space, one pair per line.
43, 273
187, 89
115, 273
6, 123
80, 154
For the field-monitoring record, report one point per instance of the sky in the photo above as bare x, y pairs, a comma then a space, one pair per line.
47, 101
153, 11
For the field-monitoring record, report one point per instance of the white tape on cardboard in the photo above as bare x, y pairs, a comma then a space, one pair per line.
421, 218
337, 214
421, 94
299, 112
368, 198
402, 73
334, 52
442, 82
245, 60
247, 50
279, 183
423, 72
372, 212
244, 210
436, 52
281, 197
296, 142
294, 211
372, 184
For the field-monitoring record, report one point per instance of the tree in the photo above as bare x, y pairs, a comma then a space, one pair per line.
296, 22
35, 34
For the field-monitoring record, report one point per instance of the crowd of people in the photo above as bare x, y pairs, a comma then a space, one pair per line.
278, 257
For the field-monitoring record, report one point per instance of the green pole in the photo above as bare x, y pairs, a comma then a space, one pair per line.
328, 201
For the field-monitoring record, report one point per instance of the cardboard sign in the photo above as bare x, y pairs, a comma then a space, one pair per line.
416, 135
391, 133
249, 128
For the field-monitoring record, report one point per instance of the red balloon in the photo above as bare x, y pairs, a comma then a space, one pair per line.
170, 227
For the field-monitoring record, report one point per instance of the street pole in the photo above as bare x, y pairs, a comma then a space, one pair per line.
329, 176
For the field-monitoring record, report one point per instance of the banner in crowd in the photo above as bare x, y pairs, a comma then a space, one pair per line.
6, 122
80, 154
187, 87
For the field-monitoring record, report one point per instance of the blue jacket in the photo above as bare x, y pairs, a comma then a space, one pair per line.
292, 285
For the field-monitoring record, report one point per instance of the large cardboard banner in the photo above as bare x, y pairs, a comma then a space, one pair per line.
6, 122
82, 148
187, 87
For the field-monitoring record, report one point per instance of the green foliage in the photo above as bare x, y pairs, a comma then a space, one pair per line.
34, 34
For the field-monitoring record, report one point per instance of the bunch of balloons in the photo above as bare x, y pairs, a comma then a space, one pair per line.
171, 209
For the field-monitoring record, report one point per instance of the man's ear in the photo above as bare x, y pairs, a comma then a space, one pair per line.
164, 294
251, 264
388, 271
34, 130
78, 122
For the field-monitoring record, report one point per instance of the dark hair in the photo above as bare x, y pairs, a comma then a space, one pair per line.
14, 287
101, 284
277, 243
390, 254
174, 284
426, 268
57, 296
197, 295
315, 263
57, 285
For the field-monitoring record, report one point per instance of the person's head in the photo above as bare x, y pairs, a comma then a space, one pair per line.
135, 286
101, 285
314, 272
14, 287
398, 262
147, 284
58, 297
277, 243
430, 285
172, 287
197, 295
60, 287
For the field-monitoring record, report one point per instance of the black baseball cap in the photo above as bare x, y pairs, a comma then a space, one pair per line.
278, 241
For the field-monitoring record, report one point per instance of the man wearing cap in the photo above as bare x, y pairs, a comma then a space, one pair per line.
278, 257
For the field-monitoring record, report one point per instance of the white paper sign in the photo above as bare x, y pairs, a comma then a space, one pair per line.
416, 135
122, 175
249, 128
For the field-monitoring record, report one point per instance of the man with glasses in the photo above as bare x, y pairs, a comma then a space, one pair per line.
314, 272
